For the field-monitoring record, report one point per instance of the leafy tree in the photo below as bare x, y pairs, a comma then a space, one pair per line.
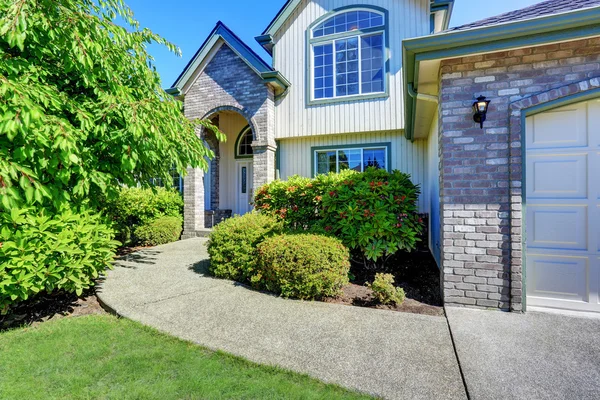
82, 112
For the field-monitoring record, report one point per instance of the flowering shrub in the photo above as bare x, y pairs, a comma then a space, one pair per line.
298, 201
303, 266
374, 212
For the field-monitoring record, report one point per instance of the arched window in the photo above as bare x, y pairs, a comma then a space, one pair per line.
349, 21
243, 146
348, 54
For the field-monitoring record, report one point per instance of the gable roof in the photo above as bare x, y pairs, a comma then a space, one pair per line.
253, 60
549, 7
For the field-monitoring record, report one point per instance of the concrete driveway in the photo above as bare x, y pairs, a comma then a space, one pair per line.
529, 356
387, 354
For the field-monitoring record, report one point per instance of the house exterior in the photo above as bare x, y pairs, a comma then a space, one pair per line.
513, 207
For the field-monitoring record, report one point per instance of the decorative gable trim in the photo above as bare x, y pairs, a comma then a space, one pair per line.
219, 35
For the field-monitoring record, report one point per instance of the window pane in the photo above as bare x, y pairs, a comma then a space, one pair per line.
374, 158
354, 159
348, 21
245, 144
351, 159
347, 67
323, 71
372, 63
326, 162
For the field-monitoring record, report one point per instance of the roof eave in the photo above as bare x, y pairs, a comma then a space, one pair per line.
281, 17
530, 32
266, 41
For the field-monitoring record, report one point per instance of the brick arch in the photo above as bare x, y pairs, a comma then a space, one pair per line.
553, 98
243, 112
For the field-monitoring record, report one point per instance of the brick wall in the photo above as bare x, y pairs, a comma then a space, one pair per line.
481, 170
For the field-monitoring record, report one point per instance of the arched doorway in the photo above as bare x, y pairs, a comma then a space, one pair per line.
232, 171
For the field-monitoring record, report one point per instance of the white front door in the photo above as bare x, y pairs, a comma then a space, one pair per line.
563, 208
244, 189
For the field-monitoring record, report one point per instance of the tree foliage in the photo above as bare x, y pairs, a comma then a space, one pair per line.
82, 112
81, 104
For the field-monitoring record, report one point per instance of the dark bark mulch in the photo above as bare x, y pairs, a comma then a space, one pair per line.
416, 273
46, 307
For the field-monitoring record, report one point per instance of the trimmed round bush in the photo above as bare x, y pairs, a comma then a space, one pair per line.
303, 266
162, 230
232, 245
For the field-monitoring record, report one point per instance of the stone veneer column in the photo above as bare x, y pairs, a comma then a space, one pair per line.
193, 197
264, 164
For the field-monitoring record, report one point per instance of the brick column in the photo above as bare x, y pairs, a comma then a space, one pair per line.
264, 164
193, 196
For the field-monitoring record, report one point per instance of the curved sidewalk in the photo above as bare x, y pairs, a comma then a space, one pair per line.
388, 354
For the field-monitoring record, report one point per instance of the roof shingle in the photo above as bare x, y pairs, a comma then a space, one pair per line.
537, 10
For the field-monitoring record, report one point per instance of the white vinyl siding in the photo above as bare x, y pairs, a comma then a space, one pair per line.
410, 157
294, 118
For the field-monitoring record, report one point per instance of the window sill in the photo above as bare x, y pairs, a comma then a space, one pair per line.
347, 99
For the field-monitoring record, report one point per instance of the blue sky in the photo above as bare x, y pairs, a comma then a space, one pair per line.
187, 23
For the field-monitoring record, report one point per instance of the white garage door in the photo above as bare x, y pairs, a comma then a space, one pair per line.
563, 208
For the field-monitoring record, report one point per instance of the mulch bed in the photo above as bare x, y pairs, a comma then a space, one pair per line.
416, 273
48, 307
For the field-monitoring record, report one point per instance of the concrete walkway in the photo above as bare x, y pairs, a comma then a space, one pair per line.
387, 354
527, 356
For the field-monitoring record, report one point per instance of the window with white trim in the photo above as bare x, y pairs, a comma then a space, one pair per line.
357, 159
348, 55
244, 147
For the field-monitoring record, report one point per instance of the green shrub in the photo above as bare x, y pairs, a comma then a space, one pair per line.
135, 207
384, 290
160, 231
375, 213
42, 253
232, 245
297, 201
303, 266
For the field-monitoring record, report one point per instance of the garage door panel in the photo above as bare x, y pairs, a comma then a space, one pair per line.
594, 122
558, 277
563, 127
557, 227
562, 213
563, 176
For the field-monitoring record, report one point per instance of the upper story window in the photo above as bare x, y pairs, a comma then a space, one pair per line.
348, 55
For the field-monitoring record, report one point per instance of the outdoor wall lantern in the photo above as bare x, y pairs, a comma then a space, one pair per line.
480, 108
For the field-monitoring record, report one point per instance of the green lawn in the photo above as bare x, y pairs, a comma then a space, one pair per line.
102, 357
